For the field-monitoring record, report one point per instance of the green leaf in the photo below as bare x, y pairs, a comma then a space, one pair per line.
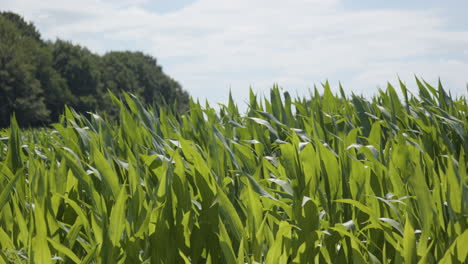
409, 243
107, 172
458, 249
226, 245
13, 158
40, 248
5, 195
117, 218
64, 250
230, 216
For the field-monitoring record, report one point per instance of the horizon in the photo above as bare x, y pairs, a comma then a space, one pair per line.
212, 47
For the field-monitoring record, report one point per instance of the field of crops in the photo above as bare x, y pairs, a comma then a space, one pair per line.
325, 179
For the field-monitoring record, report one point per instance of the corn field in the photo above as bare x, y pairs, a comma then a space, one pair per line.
324, 179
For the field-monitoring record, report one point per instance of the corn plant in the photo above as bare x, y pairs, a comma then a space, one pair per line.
326, 179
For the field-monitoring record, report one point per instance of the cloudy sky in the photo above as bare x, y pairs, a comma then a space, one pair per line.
211, 46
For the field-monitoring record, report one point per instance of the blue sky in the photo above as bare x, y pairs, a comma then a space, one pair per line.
164, 6
213, 46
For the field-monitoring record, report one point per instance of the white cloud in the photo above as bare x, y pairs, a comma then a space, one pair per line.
212, 45
454, 71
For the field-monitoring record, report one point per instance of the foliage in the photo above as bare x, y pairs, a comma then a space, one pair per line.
328, 179
38, 78
20, 90
25, 29
79, 67
139, 74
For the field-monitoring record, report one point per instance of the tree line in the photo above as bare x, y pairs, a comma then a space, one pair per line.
38, 77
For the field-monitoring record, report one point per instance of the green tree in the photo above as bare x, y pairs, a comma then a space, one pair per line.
25, 29
56, 91
38, 78
140, 74
20, 90
79, 67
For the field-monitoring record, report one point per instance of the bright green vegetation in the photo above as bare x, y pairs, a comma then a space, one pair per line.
326, 179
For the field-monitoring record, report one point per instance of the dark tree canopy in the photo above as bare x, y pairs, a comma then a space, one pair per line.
38, 78
141, 75
25, 29
20, 90
79, 67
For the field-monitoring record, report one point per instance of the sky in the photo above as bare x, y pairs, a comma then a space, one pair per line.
215, 46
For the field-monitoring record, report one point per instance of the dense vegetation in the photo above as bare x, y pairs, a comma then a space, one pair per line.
38, 78
326, 179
